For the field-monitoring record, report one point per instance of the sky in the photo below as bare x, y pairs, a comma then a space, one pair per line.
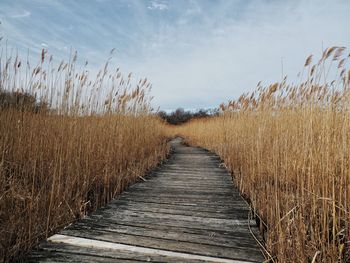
196, 53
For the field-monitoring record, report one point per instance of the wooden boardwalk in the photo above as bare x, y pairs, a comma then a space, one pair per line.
187, 210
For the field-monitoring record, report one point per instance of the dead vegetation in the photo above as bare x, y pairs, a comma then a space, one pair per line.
288, 147
69, 142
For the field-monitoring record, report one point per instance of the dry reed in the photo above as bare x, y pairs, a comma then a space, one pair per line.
68, 144
288, 147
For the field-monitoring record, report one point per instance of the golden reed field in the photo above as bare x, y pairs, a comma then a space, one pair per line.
68, 146
288, 147
61, 158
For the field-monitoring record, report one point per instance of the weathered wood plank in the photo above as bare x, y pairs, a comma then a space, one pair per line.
75, 249
183, 202
235, 226
211, 238
172, 245
237, 232
212, 221
187, 210
163, 209
169, 196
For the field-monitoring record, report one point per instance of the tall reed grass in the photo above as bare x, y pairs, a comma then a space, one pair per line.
288, 147
69, 142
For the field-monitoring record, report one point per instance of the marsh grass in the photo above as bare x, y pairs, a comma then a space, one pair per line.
288, 147
69, 142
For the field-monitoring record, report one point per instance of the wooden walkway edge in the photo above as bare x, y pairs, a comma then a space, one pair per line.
187, 210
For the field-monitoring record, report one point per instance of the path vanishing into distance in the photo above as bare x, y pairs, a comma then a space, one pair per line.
186, 210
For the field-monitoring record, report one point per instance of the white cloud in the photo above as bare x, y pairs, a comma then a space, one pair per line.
158, 5
228, 57
197, 53
20, 15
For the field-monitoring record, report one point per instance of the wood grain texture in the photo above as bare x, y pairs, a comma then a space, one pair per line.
187, 210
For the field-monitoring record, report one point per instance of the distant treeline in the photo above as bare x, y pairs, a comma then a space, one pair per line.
24, 101
180, 116
21, 101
